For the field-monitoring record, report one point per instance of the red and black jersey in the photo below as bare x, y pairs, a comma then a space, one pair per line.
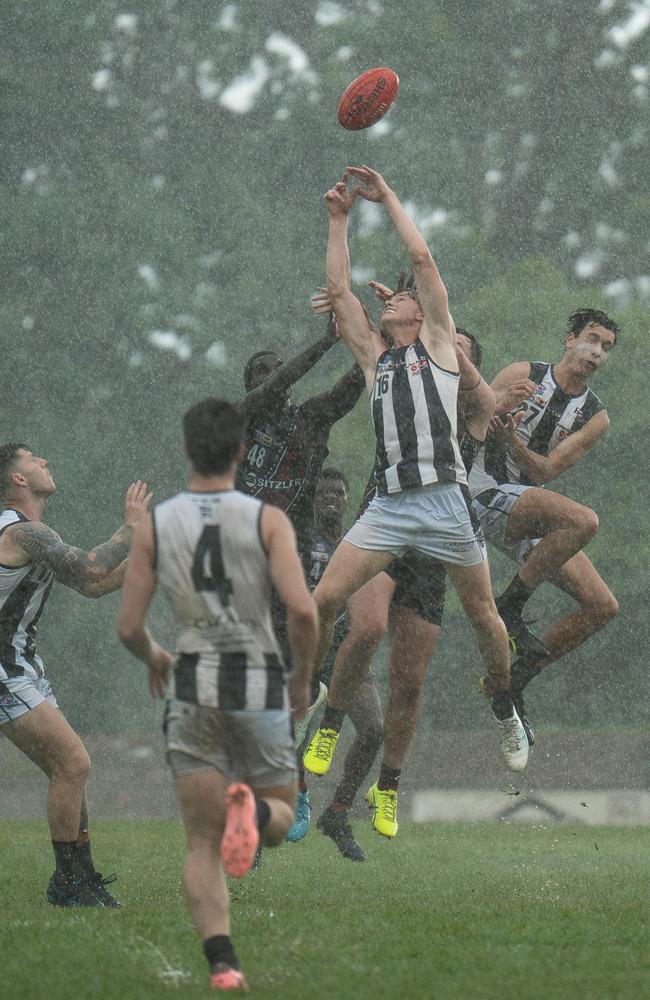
286, 448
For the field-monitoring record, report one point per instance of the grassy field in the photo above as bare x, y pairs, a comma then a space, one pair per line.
444, 911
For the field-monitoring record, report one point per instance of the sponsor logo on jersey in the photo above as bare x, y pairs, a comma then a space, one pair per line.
263, 438
8, 701
254, 483
415, 367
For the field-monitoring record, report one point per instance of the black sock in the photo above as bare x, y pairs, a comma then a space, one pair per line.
502, 705
388, 778
521, 673
84, 855
65, 857
333, 718
263, 814
219, 949
514, 596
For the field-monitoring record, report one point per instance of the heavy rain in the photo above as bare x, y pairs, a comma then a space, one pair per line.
162, 178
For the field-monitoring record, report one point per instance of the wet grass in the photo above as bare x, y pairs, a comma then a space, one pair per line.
444, 911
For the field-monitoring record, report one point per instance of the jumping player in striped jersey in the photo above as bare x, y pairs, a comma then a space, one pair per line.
216, 553
422, 501
32, 557
547, 420
407, 600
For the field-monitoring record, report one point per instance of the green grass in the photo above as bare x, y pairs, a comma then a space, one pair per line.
444, 911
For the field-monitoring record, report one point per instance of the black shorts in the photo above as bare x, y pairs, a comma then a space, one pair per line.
420, 586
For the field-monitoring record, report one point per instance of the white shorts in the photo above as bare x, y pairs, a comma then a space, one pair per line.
435, 520
492, 508
254, 747
19, 695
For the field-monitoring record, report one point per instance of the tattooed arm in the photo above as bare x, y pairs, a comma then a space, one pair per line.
91, 573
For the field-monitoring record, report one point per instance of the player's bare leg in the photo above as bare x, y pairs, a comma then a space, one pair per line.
564, 527
358, 566
472, 584
413, 641
348, 569
45, 736
368, 620
597, 606
365, 715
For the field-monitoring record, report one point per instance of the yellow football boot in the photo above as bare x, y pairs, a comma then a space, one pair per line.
383, 802
320, 752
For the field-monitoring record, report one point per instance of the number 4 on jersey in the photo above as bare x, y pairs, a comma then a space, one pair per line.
208, 572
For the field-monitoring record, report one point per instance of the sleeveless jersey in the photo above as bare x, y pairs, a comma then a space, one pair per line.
284, 456
414, 414
469, 449
550, 416
23, 593
213, 568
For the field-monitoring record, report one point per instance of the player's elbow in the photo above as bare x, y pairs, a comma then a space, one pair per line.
303, 614
127, 631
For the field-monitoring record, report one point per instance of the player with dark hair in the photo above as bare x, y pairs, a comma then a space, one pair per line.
216, 554
421, 503
330, 506
407, 598
286, 445
32, 557
547, 420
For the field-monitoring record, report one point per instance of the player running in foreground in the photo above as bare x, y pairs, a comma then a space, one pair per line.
408, 599
420, 503
216, 554
32, 557
330, 507
537, 438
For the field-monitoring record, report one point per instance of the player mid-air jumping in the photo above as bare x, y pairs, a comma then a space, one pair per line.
420, 502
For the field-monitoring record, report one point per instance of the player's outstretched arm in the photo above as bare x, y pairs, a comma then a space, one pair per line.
88, 572
288, 579
365, 344
137, 593
476, 400
540, 469
431, 289
288, 374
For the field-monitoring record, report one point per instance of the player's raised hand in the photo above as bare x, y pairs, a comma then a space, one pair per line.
383, 292
513, 395
375, 187
338, 199
159, 664
320, 301
136, 502
505, 428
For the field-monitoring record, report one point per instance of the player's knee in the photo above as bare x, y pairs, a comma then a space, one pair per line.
276, 832
74, 767
604, 609
586, 523
485, 617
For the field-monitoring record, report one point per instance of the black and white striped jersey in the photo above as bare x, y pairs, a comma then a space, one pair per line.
549, 417
23, 593
414, 413
213, 568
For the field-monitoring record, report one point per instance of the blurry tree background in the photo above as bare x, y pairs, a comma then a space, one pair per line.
160, 181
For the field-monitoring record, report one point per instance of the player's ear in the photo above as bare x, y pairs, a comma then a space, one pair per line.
241, 453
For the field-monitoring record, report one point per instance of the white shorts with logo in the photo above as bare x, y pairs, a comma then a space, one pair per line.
254, 747
19, 695
492, 508
435, 520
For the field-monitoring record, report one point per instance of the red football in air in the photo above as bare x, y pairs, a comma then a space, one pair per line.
368, 98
